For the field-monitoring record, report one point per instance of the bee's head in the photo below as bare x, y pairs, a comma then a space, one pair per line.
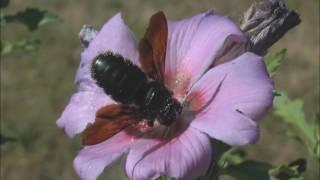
170, 112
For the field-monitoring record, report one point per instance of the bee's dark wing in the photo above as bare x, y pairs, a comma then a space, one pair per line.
110, 120
152, 47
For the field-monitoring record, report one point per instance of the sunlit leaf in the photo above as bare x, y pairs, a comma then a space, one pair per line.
291, 111
273, 61
232, 157
32, 18
293, 135
292, 171
25, 45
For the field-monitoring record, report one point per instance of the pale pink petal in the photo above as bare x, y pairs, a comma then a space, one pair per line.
243, 95
81, 110
194, 44
184, 157
91, 160
202, 93
233, 46
114, 36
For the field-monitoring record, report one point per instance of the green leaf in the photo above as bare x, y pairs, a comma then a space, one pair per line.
248, 170
25, 45
292, 171
316, 135
253, 170
291, 111
293, 135
232, 157
273, 61
32, 18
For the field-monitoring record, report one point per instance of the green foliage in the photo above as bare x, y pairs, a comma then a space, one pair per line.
25, 45
316, 131
232, 157
233, 164
291, 111
248, 170
32, 18
273, 61
293, 171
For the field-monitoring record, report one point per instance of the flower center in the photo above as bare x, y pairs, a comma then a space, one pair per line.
161, 132
180, 86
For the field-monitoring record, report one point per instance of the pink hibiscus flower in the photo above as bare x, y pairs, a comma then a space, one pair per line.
224, 89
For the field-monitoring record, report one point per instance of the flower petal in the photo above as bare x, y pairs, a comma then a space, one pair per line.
233, 46
116, 37
81, 110
184, 157
91, 160
194, 44
245, 94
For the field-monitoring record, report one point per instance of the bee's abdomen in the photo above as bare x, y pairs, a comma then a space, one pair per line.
118, 77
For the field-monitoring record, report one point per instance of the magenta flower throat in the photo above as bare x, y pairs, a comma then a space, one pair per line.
213, 88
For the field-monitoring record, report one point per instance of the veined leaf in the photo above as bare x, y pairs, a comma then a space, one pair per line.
273, 61
32, 18
291, 111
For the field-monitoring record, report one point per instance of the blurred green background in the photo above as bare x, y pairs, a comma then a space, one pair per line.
36, 86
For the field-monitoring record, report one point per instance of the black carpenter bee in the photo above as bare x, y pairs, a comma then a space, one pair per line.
140, 93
